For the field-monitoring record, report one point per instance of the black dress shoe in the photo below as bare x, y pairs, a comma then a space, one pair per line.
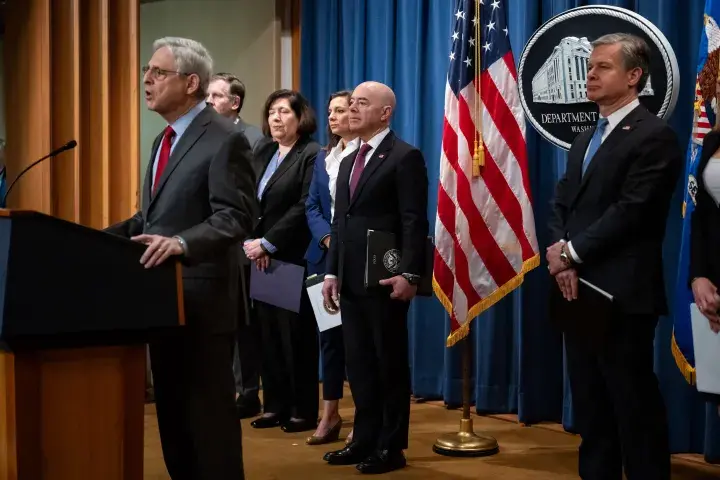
247, 408
295, 426
350, 455
268, 422
382, 461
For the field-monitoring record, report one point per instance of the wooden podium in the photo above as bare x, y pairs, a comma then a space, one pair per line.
76, 308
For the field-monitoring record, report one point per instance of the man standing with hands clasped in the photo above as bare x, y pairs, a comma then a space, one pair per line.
608, 220
383, 187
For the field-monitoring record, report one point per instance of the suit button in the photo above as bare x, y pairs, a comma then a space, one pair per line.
148, 224
347, 215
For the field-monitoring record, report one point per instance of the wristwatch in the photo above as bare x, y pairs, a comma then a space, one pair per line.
412, 279
566, 259
182, 243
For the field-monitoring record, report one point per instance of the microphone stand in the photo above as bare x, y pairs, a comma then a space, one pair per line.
68, 146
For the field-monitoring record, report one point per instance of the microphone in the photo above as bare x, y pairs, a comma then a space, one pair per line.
68, 146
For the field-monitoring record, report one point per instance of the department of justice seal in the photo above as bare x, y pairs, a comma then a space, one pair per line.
391, 260
692, 188
330, 310
552, 74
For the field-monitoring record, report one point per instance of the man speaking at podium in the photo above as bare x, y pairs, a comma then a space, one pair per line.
197, 203
608, 220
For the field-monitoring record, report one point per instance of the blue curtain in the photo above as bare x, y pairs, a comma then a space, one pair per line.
518, 363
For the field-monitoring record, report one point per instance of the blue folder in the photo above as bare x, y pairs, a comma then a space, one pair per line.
281, 285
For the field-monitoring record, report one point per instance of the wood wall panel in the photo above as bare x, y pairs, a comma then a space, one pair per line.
65, 96
93, 87
28, 107
295, 26
125, 80
73, 73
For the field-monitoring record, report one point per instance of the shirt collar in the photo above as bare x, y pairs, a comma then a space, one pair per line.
351, 146
375, 141
622, 112
182, 123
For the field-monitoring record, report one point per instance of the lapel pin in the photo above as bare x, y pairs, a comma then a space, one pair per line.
382, 155
626, 127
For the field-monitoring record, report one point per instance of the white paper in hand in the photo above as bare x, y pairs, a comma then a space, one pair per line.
706, 346
324, 319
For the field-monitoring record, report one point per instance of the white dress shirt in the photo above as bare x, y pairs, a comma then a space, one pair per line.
711, 178
332, 166
613, 120
374, 143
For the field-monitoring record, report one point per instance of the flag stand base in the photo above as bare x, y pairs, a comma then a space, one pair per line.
466, 443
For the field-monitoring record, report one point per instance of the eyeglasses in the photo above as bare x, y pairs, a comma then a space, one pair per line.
159, 73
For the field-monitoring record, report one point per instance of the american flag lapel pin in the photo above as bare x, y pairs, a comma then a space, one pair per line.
381, 156
626, 127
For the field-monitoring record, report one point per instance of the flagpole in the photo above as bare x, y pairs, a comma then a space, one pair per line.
466, 443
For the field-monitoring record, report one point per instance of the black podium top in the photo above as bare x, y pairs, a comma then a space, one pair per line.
63, 285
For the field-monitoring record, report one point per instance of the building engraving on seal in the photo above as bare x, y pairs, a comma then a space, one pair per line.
562, 79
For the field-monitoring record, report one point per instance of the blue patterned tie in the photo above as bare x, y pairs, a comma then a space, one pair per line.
595, 142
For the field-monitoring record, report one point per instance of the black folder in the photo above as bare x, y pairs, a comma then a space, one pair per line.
587, 319
383, 261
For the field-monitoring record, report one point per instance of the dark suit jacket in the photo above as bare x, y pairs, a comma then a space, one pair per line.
391, 196
282, 219
318, 213
253, 134
615, 214
705, 222
206, 196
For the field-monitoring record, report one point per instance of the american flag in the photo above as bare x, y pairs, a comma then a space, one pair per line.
701, 123
485, 230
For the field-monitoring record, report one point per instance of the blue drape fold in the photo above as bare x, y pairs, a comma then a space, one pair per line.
518, 363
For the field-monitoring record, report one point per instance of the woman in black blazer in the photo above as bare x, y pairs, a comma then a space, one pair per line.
705, 232
705, 235
289, 365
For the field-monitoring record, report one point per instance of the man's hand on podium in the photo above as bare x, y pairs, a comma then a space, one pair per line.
158, 250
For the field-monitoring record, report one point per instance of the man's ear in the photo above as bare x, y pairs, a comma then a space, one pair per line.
634, 76
193, 84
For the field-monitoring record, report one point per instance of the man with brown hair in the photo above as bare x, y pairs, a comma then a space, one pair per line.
608, 222
226, 93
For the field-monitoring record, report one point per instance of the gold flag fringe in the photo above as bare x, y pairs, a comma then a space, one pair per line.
486, 302
687, 370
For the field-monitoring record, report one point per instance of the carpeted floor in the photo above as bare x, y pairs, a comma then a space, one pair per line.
537, 452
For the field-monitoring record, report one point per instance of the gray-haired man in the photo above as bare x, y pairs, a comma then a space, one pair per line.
197, 204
